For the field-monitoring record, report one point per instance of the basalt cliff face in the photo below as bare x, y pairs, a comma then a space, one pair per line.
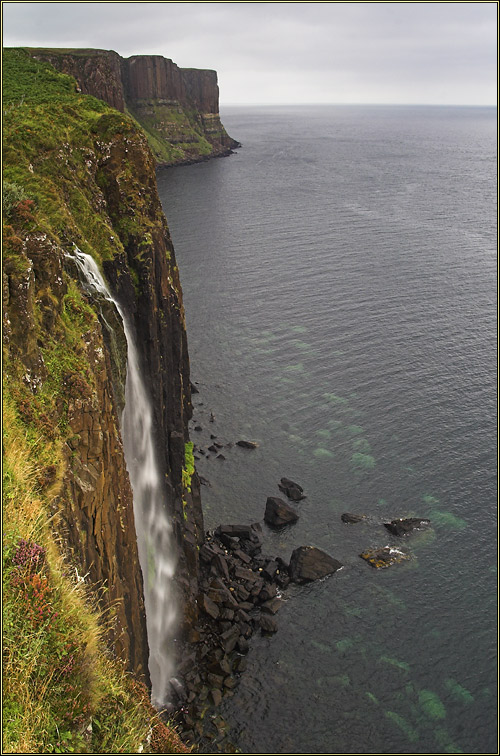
79, 173
177, 107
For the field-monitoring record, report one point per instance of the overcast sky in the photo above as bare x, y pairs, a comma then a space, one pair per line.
357, 52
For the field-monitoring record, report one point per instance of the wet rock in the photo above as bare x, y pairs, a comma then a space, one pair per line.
221, 566
310, 563
212, 436
272, 606
215, 681
247, 444
243, 646
209, 606
405, 526
278, 513
242, 555
268, 624
270, 569
178, 689
204, 481
216, 696
291, 489
213, 449
198, 428
234, 531
384, 557
229, 682
352, 519
194, 389
220, 456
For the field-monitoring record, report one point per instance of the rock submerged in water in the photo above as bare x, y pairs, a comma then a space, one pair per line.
405, 526
384, 557
247, 444
309, 563
352, 519
291, 489
279, 513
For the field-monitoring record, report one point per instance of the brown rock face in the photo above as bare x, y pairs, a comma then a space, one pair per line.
97, 72
147, 77
202, 89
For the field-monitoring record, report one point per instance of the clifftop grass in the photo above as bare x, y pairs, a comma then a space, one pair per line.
62, 690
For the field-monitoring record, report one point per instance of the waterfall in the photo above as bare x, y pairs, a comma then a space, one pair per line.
154, 531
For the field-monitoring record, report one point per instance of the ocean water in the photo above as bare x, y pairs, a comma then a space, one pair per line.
339, 276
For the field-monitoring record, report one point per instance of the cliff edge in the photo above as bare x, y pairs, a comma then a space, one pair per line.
79, 174
178, 108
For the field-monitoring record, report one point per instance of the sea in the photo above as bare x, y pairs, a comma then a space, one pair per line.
340, 285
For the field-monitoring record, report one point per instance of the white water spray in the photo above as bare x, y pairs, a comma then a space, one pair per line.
154, 532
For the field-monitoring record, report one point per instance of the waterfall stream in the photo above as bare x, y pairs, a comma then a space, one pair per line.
154, 531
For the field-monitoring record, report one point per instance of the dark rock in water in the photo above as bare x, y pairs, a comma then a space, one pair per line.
198, 428
279, 513
234, 531
220, 456
405, 526
291, 489
204, 481
213, 448
310, 563
384, 557
212, 436
352, 519
194, 390
247, 444
272, 606
268, 624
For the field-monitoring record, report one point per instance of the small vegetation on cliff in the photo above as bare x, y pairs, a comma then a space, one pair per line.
63, 689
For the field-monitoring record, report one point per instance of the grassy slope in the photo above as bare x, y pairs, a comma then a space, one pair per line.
62, 692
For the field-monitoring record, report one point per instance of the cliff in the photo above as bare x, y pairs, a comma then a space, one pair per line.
178, 108
77, 172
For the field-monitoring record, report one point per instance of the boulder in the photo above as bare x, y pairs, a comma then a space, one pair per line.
310, 563
268, 623
209, 606
384, 557
405, 526
279, 513
352, 519
291, 489
247, 444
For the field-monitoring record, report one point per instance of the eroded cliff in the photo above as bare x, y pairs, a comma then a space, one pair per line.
177, 107
77, 172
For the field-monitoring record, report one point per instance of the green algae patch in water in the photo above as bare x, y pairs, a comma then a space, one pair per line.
355, 430
361, 445
401, 666
431, 704
324, 433
298, 329
444, 740
335, 399
447, 520
361, 461
297, 368
403, 725
342, 680
373, 699
321, 453
458, 692
344, 645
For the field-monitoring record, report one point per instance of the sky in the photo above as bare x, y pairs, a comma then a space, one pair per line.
285, 53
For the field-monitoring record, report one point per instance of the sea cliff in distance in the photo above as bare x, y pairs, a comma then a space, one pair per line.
178, 108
